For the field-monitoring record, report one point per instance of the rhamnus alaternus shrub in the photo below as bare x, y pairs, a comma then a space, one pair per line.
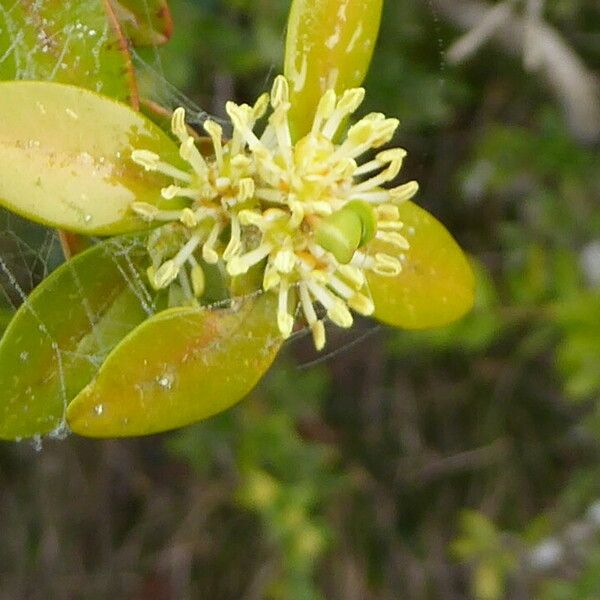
217, 248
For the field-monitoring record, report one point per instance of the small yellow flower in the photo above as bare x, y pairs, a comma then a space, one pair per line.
308, 209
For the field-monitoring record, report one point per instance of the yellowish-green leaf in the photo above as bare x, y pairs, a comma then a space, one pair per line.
329, 45
65, 158
436, 285
69, 42
180, 366
62, 332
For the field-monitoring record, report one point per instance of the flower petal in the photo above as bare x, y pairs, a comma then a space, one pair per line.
436, 284
181, 366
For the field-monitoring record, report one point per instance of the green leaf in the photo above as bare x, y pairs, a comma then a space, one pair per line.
68, 42
436, 285
62, 332
329, 45
181, 366
145, 22
65, 158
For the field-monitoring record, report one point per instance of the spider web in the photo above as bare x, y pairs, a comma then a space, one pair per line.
29, 252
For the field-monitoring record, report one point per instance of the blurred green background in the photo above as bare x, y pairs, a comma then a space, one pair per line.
456, 464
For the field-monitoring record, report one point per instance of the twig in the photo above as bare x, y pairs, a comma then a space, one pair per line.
572, 83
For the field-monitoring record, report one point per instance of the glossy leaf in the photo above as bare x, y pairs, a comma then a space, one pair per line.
145, 22
436, 285
65, 158
68, 42
181, 366
329, 45
62, 332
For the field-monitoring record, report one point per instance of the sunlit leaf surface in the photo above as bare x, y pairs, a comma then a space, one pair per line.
181, 366
68, 42
329, 45
62, 332
65, 158
436, 285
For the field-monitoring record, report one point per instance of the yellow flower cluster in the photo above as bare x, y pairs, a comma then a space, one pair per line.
307, 209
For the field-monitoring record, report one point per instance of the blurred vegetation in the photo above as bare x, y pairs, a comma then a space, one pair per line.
459, 463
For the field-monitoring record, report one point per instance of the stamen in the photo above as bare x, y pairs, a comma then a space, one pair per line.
318, 333
370, 132
272, 215
165, 274
251, 217
174, 191
385, 132
268, 169
307, 306
204, 212
178, 124
361, 304
285, 260
240, 163
390, 225
336, 308
391, 155
389, 173
145, 210
151, 274
353, 275
245, 189
340, 287
367, 167
235, 244
285, 321
187, 250
184, 282
149, 212
404, 192
151, 162
386, 265
394, 238
316, 326
375, 197
238, 265
208, 252
280, 92
240, 120
270, 195
271, 278
340, 315
387, 212
324, 110
191, 154
351, 99
188, 218
198, 279
215, 131
279, 121
297, 215
347, 104
319, 207
343, 168
260, 106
